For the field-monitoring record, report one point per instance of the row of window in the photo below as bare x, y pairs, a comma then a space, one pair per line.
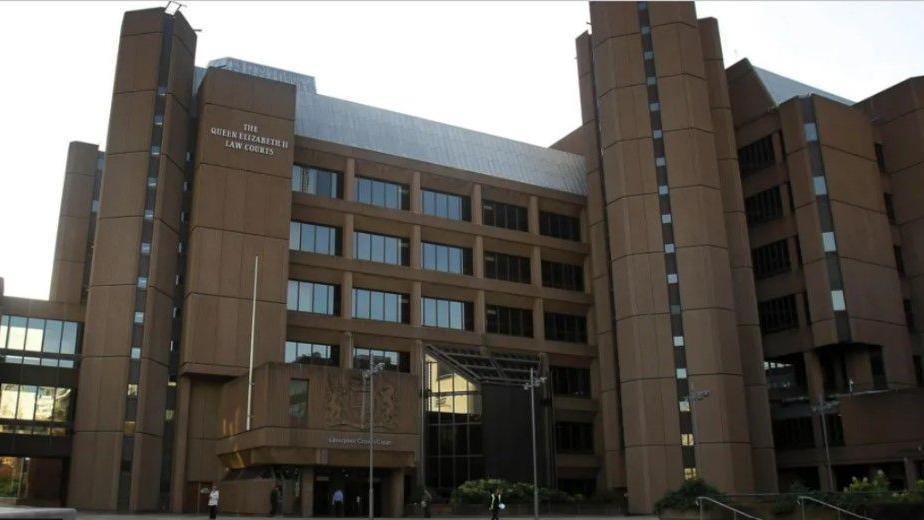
764, 206
391, 195
329, 355
373, 247
757, 155
369, 304
37, 341
771, 259
35, 403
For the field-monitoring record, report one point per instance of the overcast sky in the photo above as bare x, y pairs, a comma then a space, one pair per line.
503, 68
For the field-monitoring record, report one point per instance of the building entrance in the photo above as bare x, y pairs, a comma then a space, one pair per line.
354, 484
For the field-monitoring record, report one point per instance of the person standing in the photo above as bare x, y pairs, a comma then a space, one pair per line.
213, 501
274, 500
496, 504
337, 502
425, 500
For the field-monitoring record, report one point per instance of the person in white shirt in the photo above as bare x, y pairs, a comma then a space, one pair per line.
213, 501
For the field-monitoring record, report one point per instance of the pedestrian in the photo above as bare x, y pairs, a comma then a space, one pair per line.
496, 504
213, 501
425, 500
279, 497
337, 502
274, 500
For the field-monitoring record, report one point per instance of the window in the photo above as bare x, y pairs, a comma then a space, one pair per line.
298, 400
570, 381
37, 341
778, 314
502, 215
574, 437
446, 314
562, 276
369, 304
507, 267
316, 181
381, 248
811, 132
42, 406
880, 156
559, 226
314, 297
509, 321
314, 238
757, 155
312, 353
889, 206
819, 185
899, 262
392, 360
837, 301
793, 433
771, 259
447, 259
909, 315
828, 243
764, 206
381, 193
565, 327
446, 205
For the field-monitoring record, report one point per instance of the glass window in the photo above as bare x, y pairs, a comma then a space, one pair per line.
314, 238
509, 321
17, 333
511, 268
778, 314
447, 314
25, 409
562, 276
62, 404
559, 226
380, 248
828, 242
503, 215
45, 403
565, 327
757, 155
811, 132
35, 334
4, 329
369, 304
821, 187
764, 206
53, 331
298, 398
837, 300
381, 193
314, 297
312, 353
445, 258
446, 205
8, 396
316, 181
392, 360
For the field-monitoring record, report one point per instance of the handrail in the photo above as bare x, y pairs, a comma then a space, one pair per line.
735, 512
802, 498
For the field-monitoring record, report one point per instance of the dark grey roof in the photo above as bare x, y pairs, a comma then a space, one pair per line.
782, 89
336, 120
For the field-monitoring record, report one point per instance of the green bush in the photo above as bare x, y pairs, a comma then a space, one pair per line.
479, 492
684, 498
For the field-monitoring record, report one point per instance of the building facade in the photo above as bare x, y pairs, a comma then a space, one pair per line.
716, 273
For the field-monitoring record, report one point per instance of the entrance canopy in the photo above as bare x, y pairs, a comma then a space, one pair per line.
481, 365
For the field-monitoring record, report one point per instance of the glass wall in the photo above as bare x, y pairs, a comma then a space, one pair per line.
37, 341
318, 298
454, 435
314, 238
382, 193
316, 181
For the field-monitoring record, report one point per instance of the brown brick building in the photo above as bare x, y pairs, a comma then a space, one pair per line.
717, 273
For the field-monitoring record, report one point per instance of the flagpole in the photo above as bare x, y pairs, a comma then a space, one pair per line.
253, 327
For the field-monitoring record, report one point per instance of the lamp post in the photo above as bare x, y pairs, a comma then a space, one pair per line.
531, 385
822, 408
368, 374
694, 397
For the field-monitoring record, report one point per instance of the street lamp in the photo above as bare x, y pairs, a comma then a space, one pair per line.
368, 374
531, 385
822, 408
694, 397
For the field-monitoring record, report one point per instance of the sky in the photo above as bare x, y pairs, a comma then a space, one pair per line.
507, 69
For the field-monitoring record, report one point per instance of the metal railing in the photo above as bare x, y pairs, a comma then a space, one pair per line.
802, 498
735, 512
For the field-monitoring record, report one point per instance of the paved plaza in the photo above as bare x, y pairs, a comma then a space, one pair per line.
109, 516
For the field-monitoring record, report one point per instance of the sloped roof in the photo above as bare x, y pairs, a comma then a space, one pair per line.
362, 126
782, 89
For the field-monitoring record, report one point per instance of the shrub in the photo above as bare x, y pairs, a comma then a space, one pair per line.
479, 491
684, 498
